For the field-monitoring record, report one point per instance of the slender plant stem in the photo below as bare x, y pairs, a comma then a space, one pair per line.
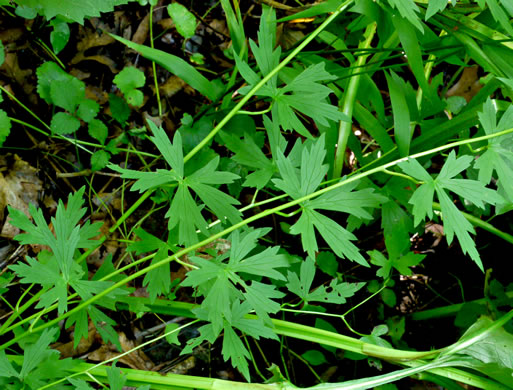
341, 8
482, 224
347, 105
247, 221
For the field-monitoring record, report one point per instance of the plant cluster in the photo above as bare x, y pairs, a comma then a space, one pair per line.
348, 131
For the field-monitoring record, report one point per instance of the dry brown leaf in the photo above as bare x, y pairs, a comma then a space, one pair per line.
83, 346
142, 31
97, 94
10, 35
11, 68
172, 86
467, 86
79, 57
288, 37
166, 23
137, 360
19, 187
89, 38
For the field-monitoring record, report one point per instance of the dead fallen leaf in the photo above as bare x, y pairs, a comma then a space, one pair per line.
79, 57
172, 86
137, 360
89, 38
142, 31
468, 85
10, 35
11, 68
19, 187
83, 346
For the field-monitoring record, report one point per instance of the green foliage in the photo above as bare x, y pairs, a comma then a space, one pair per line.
59, 271
40, 364
299, 183
471, 190
399, 257
277, 126
334, 293
57, 87
5, 126
70, 9
290, 98
498, 155
59, 36
184, 211
128, 80
185, 21
225, 306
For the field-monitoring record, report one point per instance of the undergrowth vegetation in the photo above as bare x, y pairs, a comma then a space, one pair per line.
308, 177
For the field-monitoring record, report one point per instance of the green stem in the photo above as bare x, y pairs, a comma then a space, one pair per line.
315, 335
404, 176
342, 7
5, 326
482, 224
248, 221
348, 104
450, 310
25, 107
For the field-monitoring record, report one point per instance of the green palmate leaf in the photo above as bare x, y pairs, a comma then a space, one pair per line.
408, 10
158, 281
6, 368
399, 257
185, 21
335, 293
36, 353
305, 180
184, 212
498, 156
435, 6
234, 349
60, 269
248, 153
116, 378
128, 80
291, 98
454, 221
71, 9
223, 286
311, 173
177, 66
220, 297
